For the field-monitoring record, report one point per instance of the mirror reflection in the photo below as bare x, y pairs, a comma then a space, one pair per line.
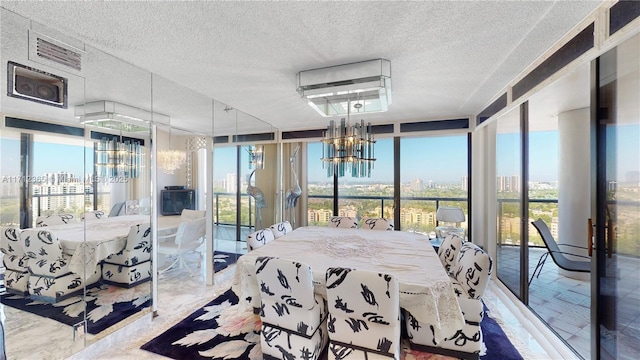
75, 207
124, 181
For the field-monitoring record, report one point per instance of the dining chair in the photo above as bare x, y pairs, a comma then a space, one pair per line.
377, 224
131, 265
294, 318
117, 209
449, 251
471, 276
50, 279
16, 275
343, 222
188, 214
56, 219
93, 215
259, 238
188, 238
364, 314
281, 229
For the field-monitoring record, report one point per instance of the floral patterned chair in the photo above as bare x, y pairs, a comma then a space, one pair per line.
93, 215
294, 319
364, 314
281, 229
470, 279
449, 251
377, 224
343, 222
16, 275
50, 279
56, 219
132, 265
259, 238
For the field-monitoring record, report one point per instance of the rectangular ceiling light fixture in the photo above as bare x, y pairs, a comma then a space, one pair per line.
116, 116
356, 88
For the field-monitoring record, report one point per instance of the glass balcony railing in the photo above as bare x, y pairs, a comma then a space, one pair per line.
226, 209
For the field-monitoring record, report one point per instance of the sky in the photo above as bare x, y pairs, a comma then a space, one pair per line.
422, 158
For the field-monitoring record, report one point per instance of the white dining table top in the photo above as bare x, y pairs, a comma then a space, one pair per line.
91, 241
101, 230
425, 288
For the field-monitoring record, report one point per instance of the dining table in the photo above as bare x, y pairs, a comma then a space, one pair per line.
426, 290
90, 242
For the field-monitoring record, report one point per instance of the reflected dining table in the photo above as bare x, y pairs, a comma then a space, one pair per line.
90, 242
425, 288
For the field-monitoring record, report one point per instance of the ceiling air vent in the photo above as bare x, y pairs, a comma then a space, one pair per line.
59, 54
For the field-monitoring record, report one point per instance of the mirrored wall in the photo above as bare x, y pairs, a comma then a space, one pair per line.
117, 153
247, 188
78, 178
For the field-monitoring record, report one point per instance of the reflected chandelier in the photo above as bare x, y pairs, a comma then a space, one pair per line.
171, 160
348, 149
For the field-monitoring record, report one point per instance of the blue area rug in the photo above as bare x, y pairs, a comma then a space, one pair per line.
496, 341
215, 331
221, 260
220, 331
106, 305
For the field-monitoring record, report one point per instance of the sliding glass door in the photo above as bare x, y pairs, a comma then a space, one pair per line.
617, 240
509, 157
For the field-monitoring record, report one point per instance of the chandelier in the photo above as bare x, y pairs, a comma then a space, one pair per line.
256, 156
171, 160
348, 149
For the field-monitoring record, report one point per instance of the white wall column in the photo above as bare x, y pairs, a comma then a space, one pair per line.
574, 187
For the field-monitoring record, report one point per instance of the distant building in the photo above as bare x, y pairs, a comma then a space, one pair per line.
464, 183
417, 185
231, 185
508, 183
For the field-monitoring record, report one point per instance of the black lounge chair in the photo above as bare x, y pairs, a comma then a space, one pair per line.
557, 255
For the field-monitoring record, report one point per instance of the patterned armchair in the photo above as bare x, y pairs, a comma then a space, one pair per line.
364, 314
259, 238
51, 280
132, 265
470, 279
377, 224
294, 319
57, 219
93, 215
343, 222
449, 251
281, 229
16, 275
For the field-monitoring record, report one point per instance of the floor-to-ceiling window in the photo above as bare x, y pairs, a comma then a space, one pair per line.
618, 214
433, 173
559, 194
370, 196
225, 189
509, 199
61, 186
319, 187
10, 183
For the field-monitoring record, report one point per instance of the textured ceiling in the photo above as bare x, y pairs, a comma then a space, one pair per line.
448, 59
